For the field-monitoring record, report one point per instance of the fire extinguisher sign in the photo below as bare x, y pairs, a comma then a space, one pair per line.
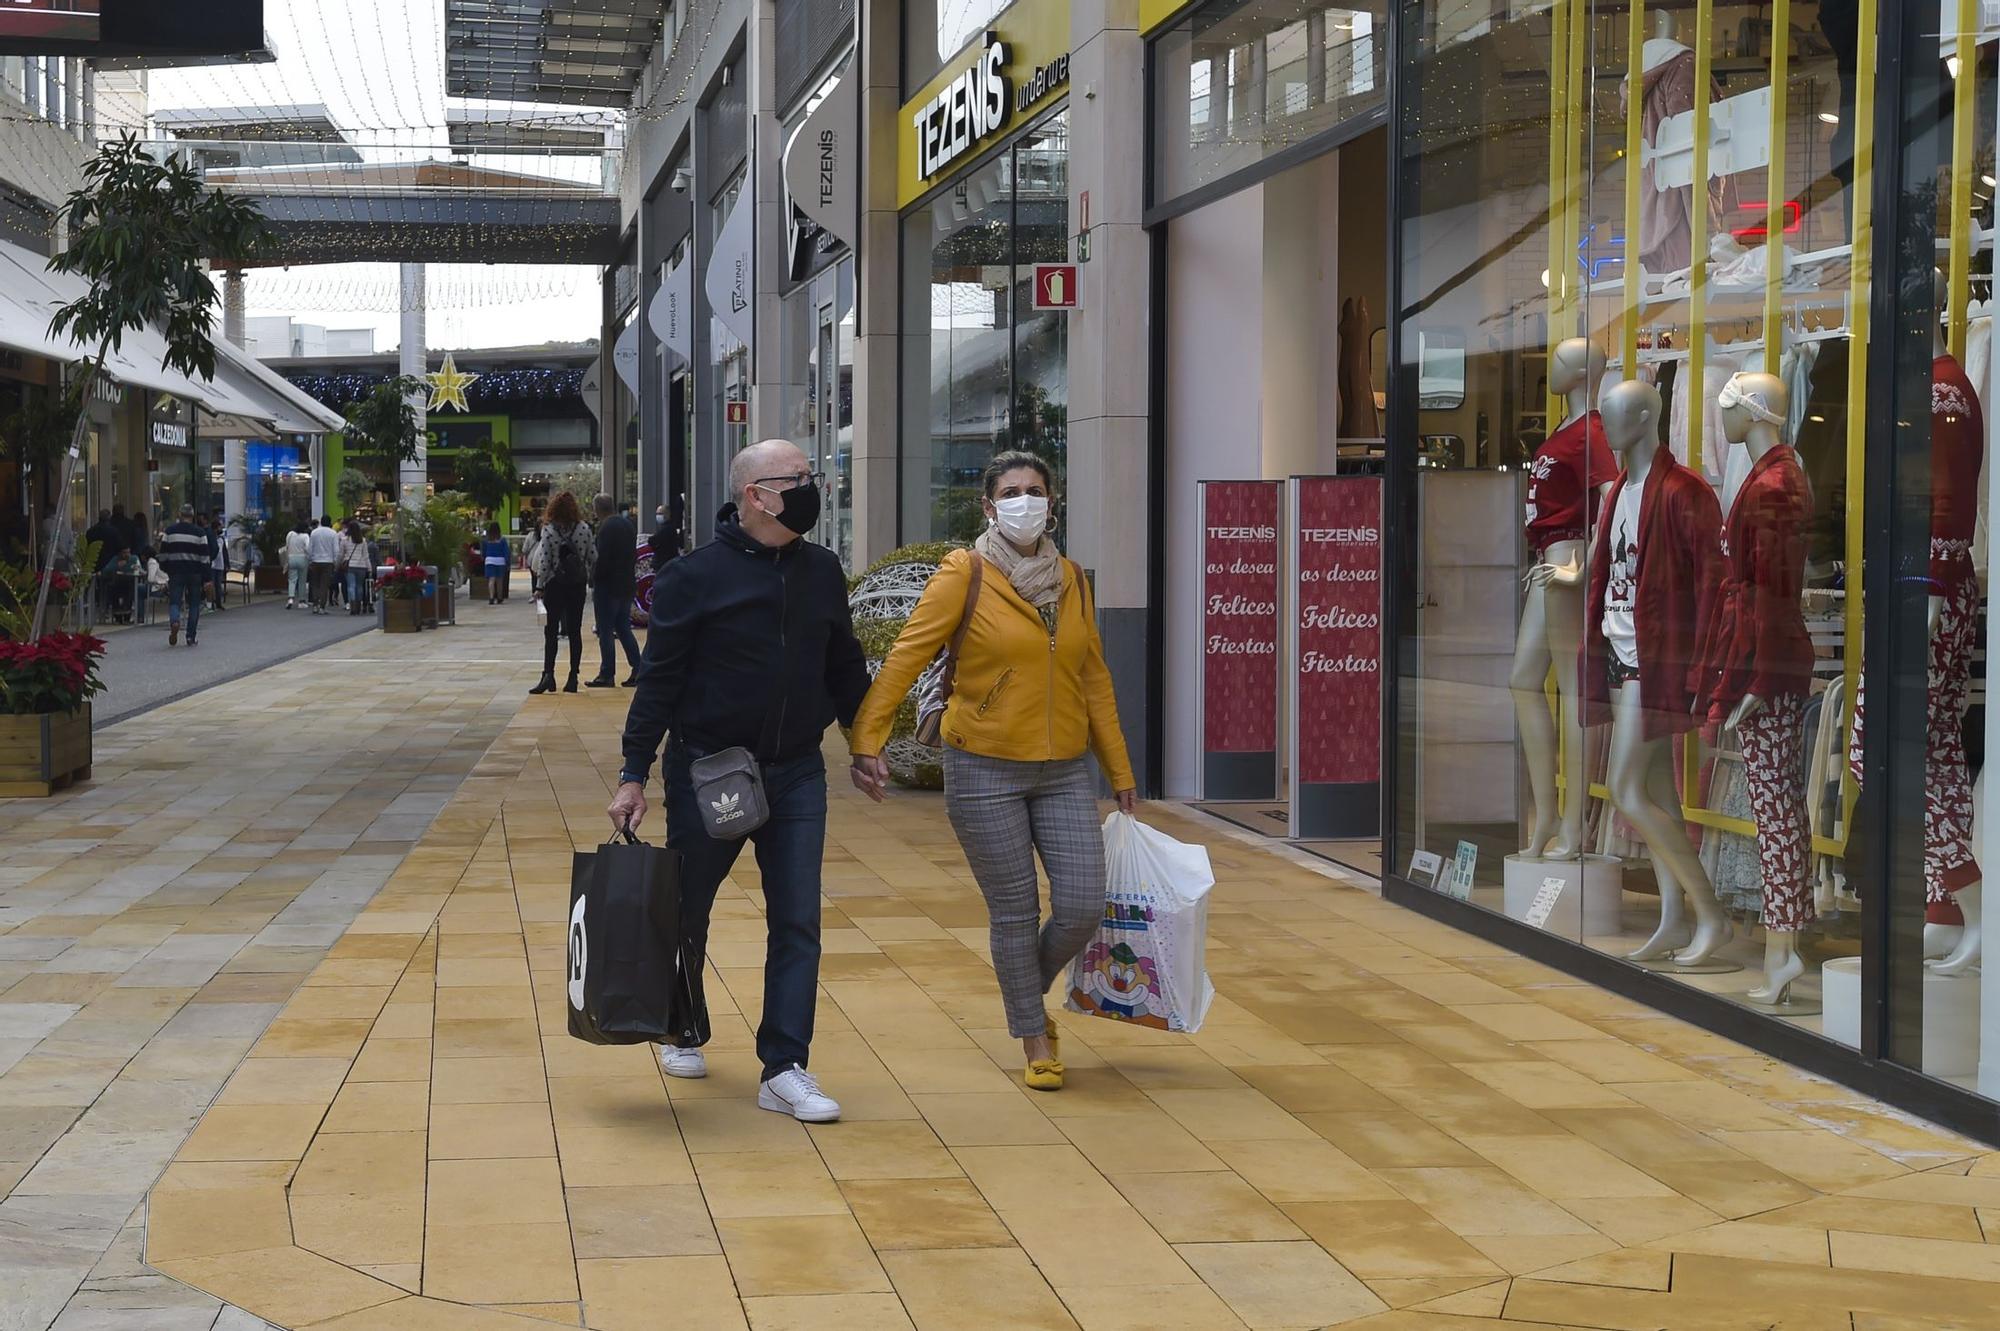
1055, 286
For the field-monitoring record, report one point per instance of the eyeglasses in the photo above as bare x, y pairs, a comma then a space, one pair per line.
780, 484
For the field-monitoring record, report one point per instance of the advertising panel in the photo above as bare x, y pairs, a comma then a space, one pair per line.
1336, 595
1240, 632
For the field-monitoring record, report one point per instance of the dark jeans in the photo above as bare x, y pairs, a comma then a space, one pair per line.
565, 621
790, 848
614, 625
184, 590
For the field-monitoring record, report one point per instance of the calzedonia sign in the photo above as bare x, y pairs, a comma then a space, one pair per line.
1016, 67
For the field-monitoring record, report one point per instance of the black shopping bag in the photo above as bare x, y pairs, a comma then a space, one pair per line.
630, 978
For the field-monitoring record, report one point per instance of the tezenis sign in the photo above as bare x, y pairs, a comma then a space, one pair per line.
1000, 80
969, 109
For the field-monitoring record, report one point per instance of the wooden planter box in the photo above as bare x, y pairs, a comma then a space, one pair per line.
265, 578
40, 755
480, 589
401, 616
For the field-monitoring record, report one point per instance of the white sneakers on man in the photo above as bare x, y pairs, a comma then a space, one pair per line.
687, 1064
794, 1092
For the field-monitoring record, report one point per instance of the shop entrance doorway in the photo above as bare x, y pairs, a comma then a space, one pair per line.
1274, 300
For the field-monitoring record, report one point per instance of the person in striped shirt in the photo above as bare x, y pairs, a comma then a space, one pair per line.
187, 553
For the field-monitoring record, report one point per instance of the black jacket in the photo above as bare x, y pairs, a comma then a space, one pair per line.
746, 642
617, 558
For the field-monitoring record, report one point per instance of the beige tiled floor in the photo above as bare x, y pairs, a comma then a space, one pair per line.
1385, 1125
154, 922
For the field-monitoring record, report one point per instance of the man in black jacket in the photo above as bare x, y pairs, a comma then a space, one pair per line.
617, 578
751, 644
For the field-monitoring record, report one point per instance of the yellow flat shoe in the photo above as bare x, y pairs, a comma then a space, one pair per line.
1055, 1038
1045, 1074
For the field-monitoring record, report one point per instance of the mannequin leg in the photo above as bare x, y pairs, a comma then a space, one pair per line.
1531, 711
1781, 967
1965, 956
1641, 781
1563, 607
1966, 949
1773, 739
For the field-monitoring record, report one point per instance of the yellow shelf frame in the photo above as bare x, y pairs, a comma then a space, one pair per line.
1566, 117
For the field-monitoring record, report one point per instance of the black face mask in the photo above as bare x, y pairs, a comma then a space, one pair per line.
801, 510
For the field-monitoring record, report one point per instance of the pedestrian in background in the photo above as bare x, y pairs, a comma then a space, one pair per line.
752, 645
187, 558
359, 568
528, 549
219, 566
1032, 695
613, 585
297, 544
498, 557
563, 569
322, 557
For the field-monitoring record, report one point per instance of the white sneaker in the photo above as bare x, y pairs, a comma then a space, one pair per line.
794, 1092
685, 1063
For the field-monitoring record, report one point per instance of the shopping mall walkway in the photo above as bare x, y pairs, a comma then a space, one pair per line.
1385, 1125
141, 672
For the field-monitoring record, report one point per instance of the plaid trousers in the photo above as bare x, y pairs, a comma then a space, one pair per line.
1004, 812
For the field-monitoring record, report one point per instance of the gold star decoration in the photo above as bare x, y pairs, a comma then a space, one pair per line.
448, 386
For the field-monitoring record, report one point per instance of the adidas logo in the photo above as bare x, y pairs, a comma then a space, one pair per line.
728, 808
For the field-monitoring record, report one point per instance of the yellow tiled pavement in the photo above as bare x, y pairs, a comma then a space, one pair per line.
1385, 1124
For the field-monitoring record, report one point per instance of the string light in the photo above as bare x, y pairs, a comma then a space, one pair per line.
492, 391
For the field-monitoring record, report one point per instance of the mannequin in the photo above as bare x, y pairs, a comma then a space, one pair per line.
1569, 476
1958, 434
1664, 44
1756, 661
1653, 578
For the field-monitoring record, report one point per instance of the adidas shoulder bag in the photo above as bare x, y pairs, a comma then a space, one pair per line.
729, 791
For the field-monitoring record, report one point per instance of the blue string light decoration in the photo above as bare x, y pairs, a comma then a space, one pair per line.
493, 392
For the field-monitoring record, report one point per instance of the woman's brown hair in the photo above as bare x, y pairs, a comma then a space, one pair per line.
1014, 460
563, 510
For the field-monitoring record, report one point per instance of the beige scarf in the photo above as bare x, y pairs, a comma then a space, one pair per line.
1038, 577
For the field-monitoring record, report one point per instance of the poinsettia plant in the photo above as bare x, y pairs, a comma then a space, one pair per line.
405, 583
55, 673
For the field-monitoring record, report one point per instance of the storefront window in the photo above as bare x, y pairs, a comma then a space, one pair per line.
981, 369
819, 353
936, 30
1635, 363
1236, 83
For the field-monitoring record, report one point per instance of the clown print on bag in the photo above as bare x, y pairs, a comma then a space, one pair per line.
1116, 979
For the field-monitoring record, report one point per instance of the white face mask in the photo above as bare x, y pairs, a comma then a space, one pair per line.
1021, 518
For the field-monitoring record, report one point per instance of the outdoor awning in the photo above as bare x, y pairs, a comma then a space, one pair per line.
288, 408
30, 294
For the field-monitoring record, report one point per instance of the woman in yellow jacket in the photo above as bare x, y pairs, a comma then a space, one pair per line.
1032, 694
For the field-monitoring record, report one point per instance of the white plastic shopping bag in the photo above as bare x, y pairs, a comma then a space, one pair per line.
1147, 964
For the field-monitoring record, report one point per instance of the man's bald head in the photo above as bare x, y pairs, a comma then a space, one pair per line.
761, 461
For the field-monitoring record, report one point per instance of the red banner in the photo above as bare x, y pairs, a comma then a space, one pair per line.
1239, 616
1339, 572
